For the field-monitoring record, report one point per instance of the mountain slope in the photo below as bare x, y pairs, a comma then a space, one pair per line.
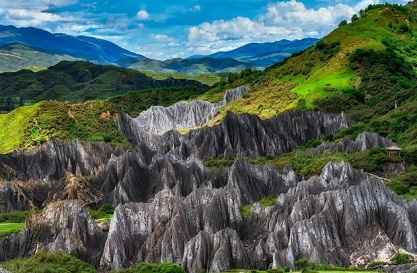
192, 66
17, 56
81, 47
79, 81
266, 54
349, 65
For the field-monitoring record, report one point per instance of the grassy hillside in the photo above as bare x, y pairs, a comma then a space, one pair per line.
366, 68
43, 262
28, 126
340, 65
16, 56
192, 66
207, 78
80, 81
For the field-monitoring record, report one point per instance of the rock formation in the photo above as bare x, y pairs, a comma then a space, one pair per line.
339, 217
364, 141
183, 115
64, 225
170, 207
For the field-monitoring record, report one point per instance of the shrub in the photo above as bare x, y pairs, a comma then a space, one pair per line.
167, 267
401, 258
313, 143
287, 269
274, 270
267, 202
245, 211
44, 262
401, 189
302, 263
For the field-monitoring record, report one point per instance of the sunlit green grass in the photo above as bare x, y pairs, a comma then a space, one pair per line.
14, 126
9, 228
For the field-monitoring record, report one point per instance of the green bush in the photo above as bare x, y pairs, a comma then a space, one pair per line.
302, 263
267, 202
44, 262
14, 216
166, 267
401, 258
313, 143
401, 189
105, 211
245, 211
287, 269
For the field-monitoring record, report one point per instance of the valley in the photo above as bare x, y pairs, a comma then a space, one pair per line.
285, 169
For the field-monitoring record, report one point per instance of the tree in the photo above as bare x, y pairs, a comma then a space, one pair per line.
354, 18
344, 22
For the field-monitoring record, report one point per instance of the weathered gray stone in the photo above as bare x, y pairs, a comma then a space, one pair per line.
64, 225
364, 141
340, 217
183, 115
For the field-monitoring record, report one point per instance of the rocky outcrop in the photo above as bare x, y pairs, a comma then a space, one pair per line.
339, 217
183, 115
173, 208
248, 135
64, 225
52, 171
54, 159
364, 141
233, 94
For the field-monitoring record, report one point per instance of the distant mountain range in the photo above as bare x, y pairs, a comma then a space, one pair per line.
80, 47
192, 66
35, 48
264, 54
80, 80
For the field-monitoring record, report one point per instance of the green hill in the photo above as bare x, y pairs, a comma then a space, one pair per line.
367, 64
28, 126
367, 69
80, 81
16, 56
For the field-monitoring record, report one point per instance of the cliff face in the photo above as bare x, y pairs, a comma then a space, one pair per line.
339, 217
28, 178
183, 115
363, 141
172, 208
62, 225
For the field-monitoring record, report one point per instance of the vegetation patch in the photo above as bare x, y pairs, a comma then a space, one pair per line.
153, 268
43, 262
9, 228
103, 214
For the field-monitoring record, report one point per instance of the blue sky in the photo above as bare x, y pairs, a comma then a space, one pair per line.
163, 29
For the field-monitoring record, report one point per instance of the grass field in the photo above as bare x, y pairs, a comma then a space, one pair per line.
9, 228
14, 126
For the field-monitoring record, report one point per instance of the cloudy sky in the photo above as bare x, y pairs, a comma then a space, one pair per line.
163, 29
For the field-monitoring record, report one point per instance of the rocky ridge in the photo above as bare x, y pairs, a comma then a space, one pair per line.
364, 141
182, 115
172, 208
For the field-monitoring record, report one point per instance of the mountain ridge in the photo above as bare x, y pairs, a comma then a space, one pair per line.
90, 49
264, 54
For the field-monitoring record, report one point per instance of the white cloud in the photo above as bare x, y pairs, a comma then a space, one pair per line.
35, 4
142, 15
26, 18
282, 20
161, 38
196, 8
